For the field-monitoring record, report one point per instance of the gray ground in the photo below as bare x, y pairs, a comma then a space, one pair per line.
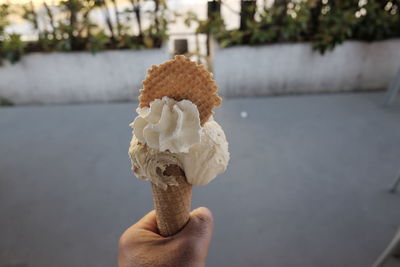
305, 185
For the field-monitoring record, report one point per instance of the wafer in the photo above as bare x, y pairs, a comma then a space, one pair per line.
181, 79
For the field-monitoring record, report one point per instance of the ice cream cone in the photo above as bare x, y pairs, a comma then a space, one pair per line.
161, 160
173, 204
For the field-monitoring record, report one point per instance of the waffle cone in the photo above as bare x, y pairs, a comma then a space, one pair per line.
173, 204
181, 79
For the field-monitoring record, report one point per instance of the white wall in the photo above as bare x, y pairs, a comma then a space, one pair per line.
78, 76
296, 68
239, 71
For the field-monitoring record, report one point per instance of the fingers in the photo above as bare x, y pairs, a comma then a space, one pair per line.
148, 222
200, 225
144, 230
202, 222
195, 238
190, 245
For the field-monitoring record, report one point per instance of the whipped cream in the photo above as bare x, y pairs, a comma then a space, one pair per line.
168, 125
201, 164
169, 133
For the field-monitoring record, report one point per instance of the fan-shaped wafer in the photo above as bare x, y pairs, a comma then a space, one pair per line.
181, 79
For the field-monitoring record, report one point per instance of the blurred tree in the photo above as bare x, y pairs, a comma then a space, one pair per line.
4, 12
281, 7
67, 27
51, 18
315, 7
12, 48
106, 12
117, 19
30, 15
213, 16
138, 15
336, 25
326, 23
247, 12
382, 18
157, 31
156, 9
73, 7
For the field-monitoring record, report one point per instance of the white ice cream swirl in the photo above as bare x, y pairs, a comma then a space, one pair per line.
169, 133
168, 125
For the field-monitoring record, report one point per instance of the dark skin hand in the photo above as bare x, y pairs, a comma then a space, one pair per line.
141, 245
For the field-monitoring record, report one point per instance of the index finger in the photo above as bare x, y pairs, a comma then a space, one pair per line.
148, 222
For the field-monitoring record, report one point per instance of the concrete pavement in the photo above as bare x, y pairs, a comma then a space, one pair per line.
306, 185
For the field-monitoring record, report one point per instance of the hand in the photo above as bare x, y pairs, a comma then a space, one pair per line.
141, 245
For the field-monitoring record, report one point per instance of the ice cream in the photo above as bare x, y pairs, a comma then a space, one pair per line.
169, 133
176, 143
168, 125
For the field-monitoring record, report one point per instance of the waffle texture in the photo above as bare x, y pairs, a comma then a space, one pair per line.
173, 204
181, 79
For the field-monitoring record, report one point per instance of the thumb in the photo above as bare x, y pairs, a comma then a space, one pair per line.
201, 224
199, 229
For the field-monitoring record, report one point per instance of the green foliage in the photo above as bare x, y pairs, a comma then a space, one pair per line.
5, 102
383, 21
98, 42
280, 25
4, 12
68, 26
157, 31
12, 48
11, 45
336, 26
323, 23
214, 26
